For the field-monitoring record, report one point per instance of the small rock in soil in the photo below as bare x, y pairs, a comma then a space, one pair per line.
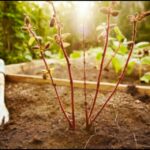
131, 89
36, 140
144, 98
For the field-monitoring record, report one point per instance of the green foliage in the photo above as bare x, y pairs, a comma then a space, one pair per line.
99, 56
60, 54
13, 48
120, 37
126, 9
31, 41
117, 63
130, 67
145, 60
75, 54
146, 78
13, 45
142, 45
123, 48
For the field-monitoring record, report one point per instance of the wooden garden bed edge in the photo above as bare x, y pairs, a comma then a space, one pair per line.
105, 86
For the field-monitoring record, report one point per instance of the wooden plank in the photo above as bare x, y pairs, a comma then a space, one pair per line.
77, 83
25, 67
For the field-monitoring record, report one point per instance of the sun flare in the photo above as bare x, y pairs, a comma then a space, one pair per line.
83, 8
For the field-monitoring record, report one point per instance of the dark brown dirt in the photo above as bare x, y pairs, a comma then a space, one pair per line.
37, 122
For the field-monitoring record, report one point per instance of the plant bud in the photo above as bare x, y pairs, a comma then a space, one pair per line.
24, 28
27, 20
147, 13
47, 45
115, 13
57, 38
52, 22
39, 38
35, 47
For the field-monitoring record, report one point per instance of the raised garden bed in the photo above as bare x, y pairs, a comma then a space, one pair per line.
37, 122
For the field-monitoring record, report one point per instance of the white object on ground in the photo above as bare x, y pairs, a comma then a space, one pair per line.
4, 114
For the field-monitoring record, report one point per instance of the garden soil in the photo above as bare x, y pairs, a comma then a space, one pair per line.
36, 120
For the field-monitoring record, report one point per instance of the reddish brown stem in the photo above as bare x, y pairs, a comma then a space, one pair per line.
68, 65
101, 65
122, 73
50, 75
61, 106
71, 84
107, 65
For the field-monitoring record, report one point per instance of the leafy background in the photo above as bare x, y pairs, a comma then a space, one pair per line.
15, 45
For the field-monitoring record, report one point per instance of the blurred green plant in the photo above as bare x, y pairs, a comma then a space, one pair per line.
146, 77
76, 54
14, 50
117, 54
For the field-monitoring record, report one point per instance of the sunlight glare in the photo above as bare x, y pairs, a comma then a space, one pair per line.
83, 8
82, 15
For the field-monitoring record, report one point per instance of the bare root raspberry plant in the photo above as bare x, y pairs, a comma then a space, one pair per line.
90, 114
